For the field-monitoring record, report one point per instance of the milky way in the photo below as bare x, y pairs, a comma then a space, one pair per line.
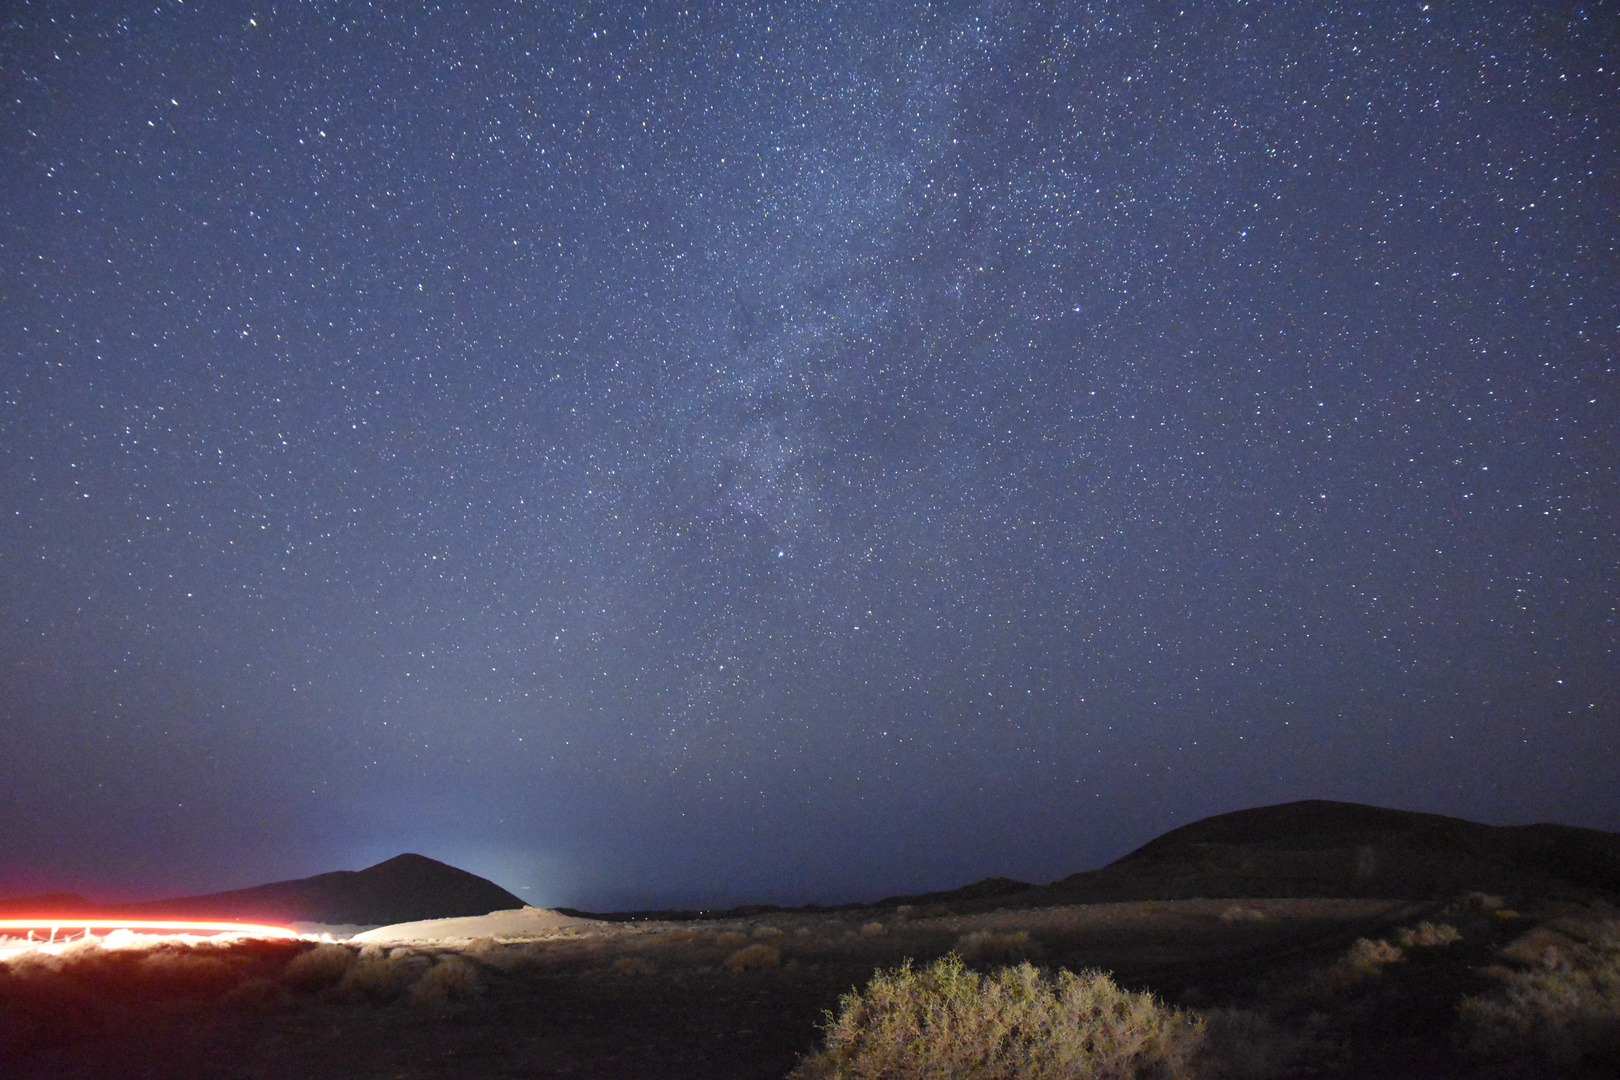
795, 452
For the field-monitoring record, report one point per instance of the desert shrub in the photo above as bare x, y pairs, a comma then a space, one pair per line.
989, 947
505, 956
1241, 1044
1478, 901
183, 971
754, 957
318, 968
1428, 935
729, 939
1370, 957
1239, 914
634, 965
483, 947
1560, 1012
768, 933
263, 995
872, 929
450, 981
379, 976
947, 1021
1348, 975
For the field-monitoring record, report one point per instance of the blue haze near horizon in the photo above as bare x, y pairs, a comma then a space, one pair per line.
659, 455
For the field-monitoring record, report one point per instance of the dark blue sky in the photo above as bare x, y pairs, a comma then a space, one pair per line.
795, 452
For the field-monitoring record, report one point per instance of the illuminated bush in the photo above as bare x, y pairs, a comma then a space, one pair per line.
1565, 1012
379, 976
450, 981
182, 970
1017, 1024
318, 968
1370, 957
1428, 936
754, 957
1239, 914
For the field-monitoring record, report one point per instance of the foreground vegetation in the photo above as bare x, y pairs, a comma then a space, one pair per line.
1217, 990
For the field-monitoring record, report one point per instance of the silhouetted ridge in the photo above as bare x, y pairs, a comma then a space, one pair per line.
1335, 849
403, 889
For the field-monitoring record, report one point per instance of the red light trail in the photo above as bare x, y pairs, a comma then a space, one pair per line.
156, 927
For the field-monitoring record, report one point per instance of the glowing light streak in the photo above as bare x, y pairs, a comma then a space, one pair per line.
162, 926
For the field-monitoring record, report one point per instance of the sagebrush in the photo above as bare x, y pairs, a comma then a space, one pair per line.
1565, 1011
946, 1021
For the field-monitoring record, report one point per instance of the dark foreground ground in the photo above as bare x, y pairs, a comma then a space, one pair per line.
743, 998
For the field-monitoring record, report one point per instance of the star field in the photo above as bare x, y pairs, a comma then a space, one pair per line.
789, 452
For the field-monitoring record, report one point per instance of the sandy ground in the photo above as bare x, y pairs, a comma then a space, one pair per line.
520, 923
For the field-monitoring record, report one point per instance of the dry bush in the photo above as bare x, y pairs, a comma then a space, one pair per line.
450, 981
768, 933
142, 973
988, 947
509, 957
754, 957
261, 995
634, 965
1017, 1024
728, 939
1371, 957
376, 975
1427, 935
180, 970
318, 968
483, 947
872, 929
1241, 1044
1239, 914
1565, 1012
1323, 988
1478, 901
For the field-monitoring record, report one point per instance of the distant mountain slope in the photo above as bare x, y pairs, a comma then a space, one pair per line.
406, 888
1335, 849
403, 889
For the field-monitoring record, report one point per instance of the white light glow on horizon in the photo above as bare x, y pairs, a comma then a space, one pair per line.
53, 935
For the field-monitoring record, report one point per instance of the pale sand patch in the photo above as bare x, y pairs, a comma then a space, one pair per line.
517, 923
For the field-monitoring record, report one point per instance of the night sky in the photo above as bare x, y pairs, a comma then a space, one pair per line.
797, 452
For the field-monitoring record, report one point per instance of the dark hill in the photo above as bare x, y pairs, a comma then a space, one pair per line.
403, 889
1335, 849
